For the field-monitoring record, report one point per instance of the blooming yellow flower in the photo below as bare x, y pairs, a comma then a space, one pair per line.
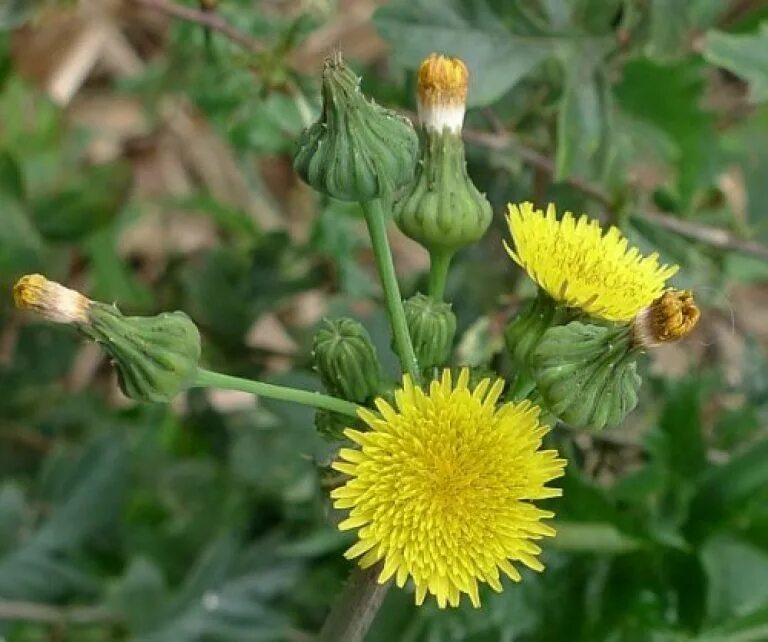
441, 487
578, 265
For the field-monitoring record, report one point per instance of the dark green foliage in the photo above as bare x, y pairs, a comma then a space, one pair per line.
208, 520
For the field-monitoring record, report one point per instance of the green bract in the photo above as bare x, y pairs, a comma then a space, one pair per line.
525, 330
586, 374
346, 360
442, 209
357, 150
155, 357
432, 326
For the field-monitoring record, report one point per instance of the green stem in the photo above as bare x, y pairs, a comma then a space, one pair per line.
439, 262
374, 217
209, 379
355, 609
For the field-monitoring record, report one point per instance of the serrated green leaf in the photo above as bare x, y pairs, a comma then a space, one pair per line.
744, 55
497, 59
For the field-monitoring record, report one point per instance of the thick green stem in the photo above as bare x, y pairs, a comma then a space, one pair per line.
374, 217
439, 262
355, 609
209, 379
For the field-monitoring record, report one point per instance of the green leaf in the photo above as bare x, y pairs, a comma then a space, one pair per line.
728, 491
743, 55
497, 59
680, 424
737, 578
751, 628
592, 537
584, 113
679, 115
140, 595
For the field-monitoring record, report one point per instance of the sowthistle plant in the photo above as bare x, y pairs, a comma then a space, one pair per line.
442, 471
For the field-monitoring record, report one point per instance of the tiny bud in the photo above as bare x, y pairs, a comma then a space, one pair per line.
670, 317
51, 300
432, 326
346, 360
442, 93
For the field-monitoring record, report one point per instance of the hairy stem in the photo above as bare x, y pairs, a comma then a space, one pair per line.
209, 379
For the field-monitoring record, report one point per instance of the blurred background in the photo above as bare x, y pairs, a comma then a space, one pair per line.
145, 159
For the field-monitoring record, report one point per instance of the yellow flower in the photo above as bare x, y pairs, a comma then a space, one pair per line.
441, 488
579, 266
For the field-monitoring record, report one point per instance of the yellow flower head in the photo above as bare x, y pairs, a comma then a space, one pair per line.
579, 266
442, 485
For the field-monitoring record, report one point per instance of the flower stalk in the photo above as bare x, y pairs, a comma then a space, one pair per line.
210, 379
354, 611
374, 218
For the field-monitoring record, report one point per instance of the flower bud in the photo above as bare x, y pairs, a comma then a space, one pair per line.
50, 300
432, 326
670, 317
442, 209
346, 360
155, 357
586, 374
525, 330
357, 150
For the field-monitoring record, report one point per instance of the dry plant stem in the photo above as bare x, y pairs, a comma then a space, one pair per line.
62, 616
355, 608
374, 217
208, 19
712, 236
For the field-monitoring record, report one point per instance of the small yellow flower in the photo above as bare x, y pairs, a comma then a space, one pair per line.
580, 266
51, 300
442, 485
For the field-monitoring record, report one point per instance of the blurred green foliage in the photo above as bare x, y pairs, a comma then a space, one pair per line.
196, 524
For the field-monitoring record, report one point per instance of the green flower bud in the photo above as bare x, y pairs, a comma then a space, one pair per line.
357, 150
346, 360
587, 374
432, 326
442, 209
525, 330
155, 357
331, 425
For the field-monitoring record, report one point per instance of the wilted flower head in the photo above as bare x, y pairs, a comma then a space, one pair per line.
670, 317
442, 486
51, 300
442, 92
580, 266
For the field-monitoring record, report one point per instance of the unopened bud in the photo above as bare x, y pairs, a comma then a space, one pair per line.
432, 326
357, 150
50, 300
670, 317
346, 360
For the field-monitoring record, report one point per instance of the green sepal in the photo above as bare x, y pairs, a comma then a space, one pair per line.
432, 326
442, 209
525, 330
346, 360
357, 150
587, 374
155, 357
331, 425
